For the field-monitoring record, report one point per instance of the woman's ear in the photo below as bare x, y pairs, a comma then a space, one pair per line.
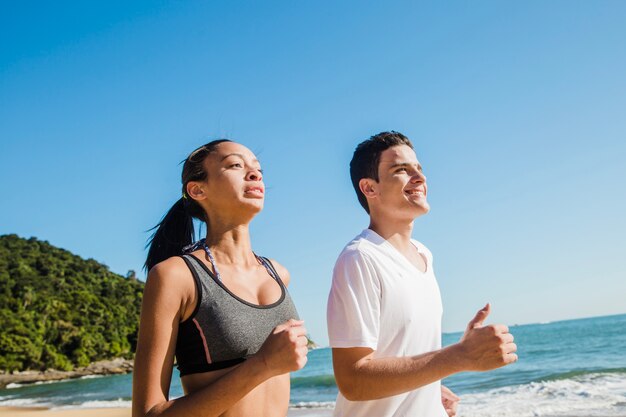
196, 190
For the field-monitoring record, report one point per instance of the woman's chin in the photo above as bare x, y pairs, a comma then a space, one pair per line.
255, 206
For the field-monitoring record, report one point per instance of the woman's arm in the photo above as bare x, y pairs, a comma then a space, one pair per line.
166, 297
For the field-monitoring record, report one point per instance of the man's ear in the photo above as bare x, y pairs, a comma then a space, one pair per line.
368, 187
196, 191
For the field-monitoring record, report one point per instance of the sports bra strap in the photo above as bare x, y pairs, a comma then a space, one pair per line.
270, 268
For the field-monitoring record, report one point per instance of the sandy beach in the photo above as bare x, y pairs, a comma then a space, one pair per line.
44, 412
125, 412
120, 412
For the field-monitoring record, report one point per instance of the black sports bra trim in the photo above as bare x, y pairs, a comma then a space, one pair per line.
196, 281
218, 282
207, 367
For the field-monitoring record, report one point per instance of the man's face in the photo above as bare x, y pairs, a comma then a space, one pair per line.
401, 190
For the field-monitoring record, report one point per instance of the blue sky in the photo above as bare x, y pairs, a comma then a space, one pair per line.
516, 111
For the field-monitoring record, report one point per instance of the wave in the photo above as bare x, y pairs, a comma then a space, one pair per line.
28, 384
118, 403
583, 392
580, 392
325, 381
589, 394
93, 376
580, 373
12, 401
313, 381
327, 405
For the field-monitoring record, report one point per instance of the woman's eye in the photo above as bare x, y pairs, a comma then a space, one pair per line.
236, 165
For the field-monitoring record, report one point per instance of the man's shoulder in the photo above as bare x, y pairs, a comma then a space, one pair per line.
357, 263
357, 249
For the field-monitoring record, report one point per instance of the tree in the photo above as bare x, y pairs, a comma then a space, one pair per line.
60, 311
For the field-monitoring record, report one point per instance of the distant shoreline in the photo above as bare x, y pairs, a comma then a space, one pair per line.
106, 367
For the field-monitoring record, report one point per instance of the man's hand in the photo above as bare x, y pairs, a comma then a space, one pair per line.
449, 400
487, 347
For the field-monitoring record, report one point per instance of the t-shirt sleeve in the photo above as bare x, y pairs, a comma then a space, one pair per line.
353, 312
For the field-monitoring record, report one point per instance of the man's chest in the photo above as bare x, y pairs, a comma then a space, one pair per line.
409, 298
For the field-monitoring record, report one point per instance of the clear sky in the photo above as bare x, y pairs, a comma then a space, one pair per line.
517, 111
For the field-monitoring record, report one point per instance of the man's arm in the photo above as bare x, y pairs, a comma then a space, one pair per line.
361, 377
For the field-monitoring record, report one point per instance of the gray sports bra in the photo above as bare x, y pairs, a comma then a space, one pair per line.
224, 330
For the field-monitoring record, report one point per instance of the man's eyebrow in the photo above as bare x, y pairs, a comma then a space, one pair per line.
405, 164
239, 155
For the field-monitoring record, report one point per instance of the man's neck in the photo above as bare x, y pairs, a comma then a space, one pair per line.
395, 231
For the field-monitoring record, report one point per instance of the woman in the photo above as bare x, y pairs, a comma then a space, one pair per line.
223, 311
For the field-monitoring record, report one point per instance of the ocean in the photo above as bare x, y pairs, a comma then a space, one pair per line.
565, 368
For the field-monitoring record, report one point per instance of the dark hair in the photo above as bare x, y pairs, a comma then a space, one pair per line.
175, 230
364, 163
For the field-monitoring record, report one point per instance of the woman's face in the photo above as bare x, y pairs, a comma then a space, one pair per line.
234, 183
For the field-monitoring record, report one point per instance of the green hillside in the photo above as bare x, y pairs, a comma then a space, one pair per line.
60, 311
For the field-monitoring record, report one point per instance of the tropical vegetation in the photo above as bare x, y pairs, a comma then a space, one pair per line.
58, 310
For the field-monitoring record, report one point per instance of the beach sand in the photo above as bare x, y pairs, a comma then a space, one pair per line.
120, 412
125, 412
44, 412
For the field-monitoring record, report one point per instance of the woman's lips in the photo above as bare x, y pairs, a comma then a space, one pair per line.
256, 191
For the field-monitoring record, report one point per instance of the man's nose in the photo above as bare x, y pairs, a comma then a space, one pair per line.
418, 176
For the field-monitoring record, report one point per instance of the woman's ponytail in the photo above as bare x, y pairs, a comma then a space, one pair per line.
173, 233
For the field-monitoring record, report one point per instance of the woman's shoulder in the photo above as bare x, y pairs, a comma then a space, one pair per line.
283, 273
171, 273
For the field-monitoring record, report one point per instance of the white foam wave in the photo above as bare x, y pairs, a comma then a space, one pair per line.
10, 401
328, 405
28, 384
590, 395
58, 381
119, 403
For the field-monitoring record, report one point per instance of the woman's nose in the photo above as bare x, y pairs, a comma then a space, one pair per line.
255, 175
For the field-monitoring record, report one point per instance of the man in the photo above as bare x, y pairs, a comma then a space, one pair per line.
384, 307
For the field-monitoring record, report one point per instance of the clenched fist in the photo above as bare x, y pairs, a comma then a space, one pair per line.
285, 349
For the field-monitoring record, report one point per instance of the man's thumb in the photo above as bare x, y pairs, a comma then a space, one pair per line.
480, 317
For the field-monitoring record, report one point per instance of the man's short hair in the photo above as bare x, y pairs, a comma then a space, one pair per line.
364, 163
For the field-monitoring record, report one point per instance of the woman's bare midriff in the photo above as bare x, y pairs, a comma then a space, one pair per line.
269, 399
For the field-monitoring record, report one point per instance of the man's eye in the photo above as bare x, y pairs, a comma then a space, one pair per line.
401, 170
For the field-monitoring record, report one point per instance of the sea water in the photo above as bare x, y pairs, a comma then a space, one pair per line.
566, 368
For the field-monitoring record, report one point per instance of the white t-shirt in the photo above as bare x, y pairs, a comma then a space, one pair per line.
379, 300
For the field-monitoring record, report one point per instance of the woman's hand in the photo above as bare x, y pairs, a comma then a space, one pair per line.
285, 349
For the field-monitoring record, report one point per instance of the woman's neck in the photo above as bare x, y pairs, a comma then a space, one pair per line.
230, 243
